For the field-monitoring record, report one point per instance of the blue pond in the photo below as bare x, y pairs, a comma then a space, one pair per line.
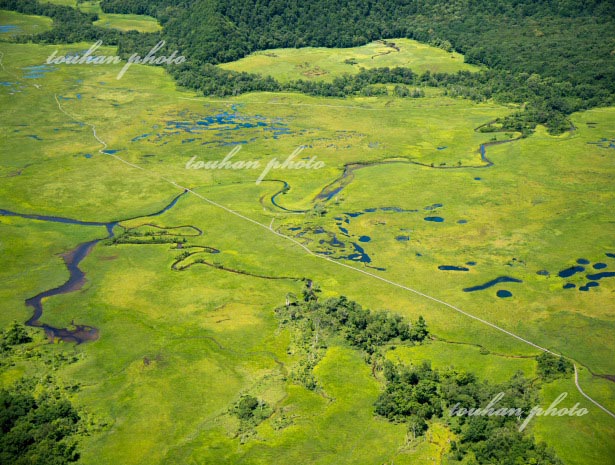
583, 261
402, 238
611, 255
598, 276
493, 282
434, 206
88, 155
365, 239
359, 255
470, 263
435, 219
542, 273
226, 121
503, 294
110, 152
569, 286
8, 28
453, 268
37, 72
571, 271
344, 230
599, 266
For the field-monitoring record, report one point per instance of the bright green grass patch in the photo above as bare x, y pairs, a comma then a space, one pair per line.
324, 63
90, 7
141, 23
14, 24
336, 428
572, 431
442, 355
72, 3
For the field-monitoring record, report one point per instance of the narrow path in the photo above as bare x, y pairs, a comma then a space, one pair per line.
322, 257
576, 382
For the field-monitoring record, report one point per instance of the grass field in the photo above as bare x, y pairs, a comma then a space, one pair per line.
15, 24
141, 23
324, 64
178, 348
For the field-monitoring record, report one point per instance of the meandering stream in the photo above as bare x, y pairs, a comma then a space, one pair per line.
76, 280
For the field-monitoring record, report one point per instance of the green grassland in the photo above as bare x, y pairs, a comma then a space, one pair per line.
24, 24
72, 3
141, 23
178, 348
323, 64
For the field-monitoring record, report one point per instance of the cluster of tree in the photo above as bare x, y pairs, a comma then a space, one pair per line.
250, 409
212, 80
37, 425
16, 334
361, 328
136, 7
551, 367
416, 394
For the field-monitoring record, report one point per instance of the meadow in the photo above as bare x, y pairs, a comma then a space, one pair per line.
178, 348
323, 64
16, 24
141, 23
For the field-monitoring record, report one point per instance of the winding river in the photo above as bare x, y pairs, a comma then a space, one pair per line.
76, 280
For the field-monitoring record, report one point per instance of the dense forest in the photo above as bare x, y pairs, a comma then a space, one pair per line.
554, 56
38, 423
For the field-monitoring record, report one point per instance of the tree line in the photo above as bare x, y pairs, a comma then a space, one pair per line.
554, 56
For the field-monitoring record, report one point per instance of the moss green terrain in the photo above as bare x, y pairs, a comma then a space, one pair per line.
318, 63
16, 24
177, 349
